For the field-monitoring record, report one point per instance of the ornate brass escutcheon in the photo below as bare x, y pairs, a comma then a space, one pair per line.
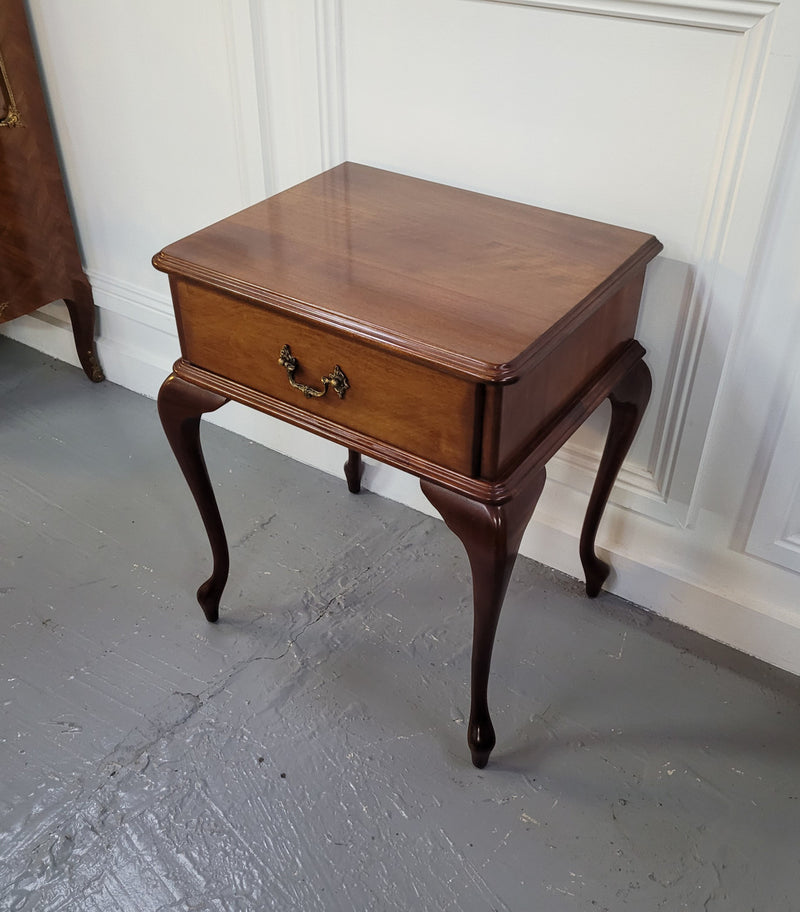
335, 379
12, 117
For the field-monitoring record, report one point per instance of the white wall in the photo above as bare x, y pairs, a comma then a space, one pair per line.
677, 119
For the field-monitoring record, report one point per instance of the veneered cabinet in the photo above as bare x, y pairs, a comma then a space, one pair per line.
39, 258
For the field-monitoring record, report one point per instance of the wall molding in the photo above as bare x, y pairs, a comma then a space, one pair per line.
297, 56
687, 362
330, 81
636, 478
146, 307
724, 15
264, 119
649, 489
774, 533
245, 100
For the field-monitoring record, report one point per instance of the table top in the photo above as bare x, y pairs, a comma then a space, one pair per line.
441, 274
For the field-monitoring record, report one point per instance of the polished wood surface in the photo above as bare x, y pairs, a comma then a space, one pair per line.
629, 399
180, 407
39, 259
353, 470
422, 411
491, 535
470, 337
469, 283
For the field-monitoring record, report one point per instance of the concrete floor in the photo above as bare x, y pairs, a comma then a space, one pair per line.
308, 752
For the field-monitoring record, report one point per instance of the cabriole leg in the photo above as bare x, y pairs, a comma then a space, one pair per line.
180, 406
491, 535
629, 399
353, 470
81, 314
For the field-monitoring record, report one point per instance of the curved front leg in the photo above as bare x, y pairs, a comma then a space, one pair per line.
491, 535
81, 313
629, 399
180, 405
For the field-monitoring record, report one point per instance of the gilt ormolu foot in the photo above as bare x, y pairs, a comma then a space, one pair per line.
81, 313
628, 401
491, 534
180, 406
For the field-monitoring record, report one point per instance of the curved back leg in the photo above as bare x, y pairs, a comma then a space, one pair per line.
629, 399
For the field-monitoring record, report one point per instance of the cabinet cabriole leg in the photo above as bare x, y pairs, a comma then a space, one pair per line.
81, 313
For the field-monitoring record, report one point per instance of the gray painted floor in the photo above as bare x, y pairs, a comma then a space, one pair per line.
308, 752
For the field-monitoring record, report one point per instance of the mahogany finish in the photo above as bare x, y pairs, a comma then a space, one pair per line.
385, 400
629, 399
353, 470
491, 534
456, 336
39, 259
180, 406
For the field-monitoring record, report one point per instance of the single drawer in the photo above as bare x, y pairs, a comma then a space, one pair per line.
403, 403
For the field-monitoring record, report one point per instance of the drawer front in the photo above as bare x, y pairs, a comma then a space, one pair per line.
390, 399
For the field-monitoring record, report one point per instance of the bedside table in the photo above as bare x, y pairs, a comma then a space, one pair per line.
453, 335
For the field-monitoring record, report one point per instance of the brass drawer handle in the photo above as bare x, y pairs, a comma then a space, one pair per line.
335, 378
12, 118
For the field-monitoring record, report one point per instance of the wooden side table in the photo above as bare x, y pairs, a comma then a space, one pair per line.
459, 337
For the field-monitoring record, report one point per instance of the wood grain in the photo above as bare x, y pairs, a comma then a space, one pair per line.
38, 253
473, 284
39, 258
414, 407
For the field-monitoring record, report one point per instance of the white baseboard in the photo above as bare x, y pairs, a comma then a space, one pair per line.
689, 576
